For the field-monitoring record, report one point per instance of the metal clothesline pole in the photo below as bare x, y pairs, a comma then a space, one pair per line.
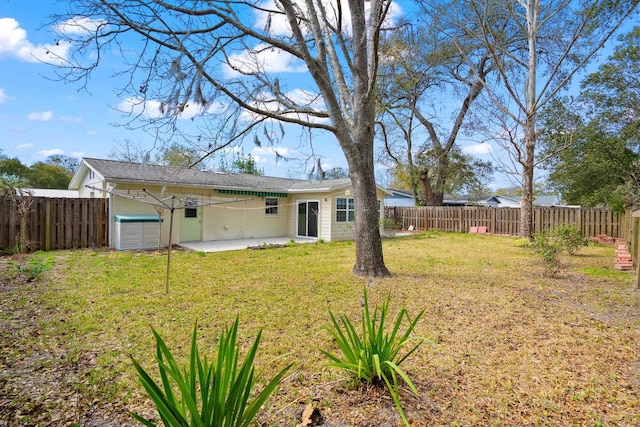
166, 287
172, 208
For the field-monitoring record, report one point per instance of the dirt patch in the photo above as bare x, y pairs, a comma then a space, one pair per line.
40, 381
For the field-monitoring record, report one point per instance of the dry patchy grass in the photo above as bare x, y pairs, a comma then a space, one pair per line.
506, 346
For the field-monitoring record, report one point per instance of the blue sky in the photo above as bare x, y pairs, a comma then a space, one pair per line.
41, 115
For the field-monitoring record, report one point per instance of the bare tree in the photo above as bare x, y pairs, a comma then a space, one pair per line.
545, 44
215, 59
422, 64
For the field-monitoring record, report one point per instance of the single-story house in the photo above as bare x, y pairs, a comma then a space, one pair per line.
216, 205
404, 198
514, 201
399, 198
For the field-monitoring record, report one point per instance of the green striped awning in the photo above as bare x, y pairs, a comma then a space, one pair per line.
253, 193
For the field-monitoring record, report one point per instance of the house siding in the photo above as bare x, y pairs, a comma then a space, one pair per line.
325, 219
345, 230
85, 192
230, 216
244, 220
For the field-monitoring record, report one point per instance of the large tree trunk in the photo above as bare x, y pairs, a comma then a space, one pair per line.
441, 177
359, 150
434, 191
432, 196
369, 257
526, 202
425, 180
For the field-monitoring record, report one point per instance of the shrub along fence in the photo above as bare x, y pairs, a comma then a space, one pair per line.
55, 223
506, 221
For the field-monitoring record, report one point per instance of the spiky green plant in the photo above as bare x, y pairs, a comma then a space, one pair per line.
374, 356
205, 394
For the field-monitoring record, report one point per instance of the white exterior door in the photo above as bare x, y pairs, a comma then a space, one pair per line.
191, 222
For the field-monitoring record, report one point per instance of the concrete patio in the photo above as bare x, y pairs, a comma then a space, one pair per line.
234, 245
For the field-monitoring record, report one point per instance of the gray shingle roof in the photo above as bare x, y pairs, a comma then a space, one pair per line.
119, 171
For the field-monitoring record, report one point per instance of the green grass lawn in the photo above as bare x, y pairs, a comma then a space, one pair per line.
505, 345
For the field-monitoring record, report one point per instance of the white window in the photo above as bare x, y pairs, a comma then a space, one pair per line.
271, 206
345, 211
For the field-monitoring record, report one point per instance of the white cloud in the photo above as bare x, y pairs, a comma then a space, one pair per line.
14, 44
22, 147
80, 25
269, 59
43, 116
71, 119
3, 96
53, 152
271, 151
267, 102
155, 109
269, 155
478, 149
262, 58
77, 154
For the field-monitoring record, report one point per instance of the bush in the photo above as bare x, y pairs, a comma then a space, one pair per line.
570, 238
373, 357
207, 394
548, 247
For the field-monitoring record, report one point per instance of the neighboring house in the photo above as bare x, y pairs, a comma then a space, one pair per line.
399, 198
463, 200
404, 198
218, 205
514, 201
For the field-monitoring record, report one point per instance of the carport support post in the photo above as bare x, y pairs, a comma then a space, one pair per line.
173, 208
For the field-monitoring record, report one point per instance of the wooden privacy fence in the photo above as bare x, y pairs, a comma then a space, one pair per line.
590, 221
56, 223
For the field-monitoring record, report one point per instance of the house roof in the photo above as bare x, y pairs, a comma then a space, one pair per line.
52, 193
403, 194
539, 200
139, 173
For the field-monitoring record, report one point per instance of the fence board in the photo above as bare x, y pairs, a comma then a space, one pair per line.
56, 223
506, 221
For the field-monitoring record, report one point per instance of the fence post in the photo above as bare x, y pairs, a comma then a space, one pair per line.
426, 218
47, 226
